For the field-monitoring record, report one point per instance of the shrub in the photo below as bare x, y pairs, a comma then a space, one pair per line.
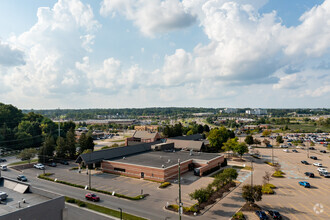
70, 200
239, 215
270, 185
267, 189
278, 173
164, 185
269, 163
81, 204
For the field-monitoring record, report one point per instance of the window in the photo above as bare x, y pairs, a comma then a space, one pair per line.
119, 169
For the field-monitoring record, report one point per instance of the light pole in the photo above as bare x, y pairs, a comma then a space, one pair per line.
272, 151
180, 205
308, 149
121, 213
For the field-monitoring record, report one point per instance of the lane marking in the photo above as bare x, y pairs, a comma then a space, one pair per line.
309, 210
291, 214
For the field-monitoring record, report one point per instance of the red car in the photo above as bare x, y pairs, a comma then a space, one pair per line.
92, 196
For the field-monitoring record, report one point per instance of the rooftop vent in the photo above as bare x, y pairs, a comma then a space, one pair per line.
163, 166
191, 152
124, 158
168, 161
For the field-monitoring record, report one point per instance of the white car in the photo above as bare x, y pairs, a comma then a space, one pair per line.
322, 170
317, 164
283, 146
286, 150
39, 166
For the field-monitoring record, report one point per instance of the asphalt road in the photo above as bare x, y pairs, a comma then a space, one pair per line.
144, 209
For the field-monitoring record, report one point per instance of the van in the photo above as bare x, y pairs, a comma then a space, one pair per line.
3, 167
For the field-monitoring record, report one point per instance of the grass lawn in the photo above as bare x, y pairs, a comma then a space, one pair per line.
23, 162
103, 209
121, 140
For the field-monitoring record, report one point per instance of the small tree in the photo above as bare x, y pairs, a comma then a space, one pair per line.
249, 140
256, 142
27, 154
266, 142
279, 139
230, 174
252, 194
241, 148
60, 148
266, 133
201, 195
267, 177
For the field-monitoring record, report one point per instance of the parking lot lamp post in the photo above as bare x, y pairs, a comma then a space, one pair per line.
180, 205
121, 213
308, 149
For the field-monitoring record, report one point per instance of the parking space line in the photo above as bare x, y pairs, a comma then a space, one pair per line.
291, 213
298, 189
301, 212
307, 209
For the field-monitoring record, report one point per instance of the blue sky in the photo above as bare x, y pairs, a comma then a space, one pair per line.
145, 53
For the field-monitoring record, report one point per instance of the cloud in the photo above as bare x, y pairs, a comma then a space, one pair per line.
150, 16
61, 35
290, 82
10, 56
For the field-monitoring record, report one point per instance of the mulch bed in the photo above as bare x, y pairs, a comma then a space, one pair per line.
250, 207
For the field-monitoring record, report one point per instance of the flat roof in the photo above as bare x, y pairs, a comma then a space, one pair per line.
11, 203
158, 158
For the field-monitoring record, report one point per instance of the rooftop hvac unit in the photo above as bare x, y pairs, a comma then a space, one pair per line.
124, 158
168, 161
191, 152
163, 166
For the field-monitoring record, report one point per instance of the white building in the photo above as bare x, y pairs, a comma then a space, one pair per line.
256, 111
230, 110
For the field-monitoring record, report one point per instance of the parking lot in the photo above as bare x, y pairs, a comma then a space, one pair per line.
292, 200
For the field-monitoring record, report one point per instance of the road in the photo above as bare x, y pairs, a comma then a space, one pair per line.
139, 208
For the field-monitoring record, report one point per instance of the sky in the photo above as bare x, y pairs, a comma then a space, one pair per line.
165, 53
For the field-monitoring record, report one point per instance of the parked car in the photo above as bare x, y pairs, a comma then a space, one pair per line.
283, 146
295, 151
309, 174
21, 178
64, 162
3, 196
305, 184
3, 160
261, 215
274, 214
317, 164
304, 162
313, 157
323, 151
52, 164
322, 169
311, 148
92, 197
39, 166
326, 174
3, 167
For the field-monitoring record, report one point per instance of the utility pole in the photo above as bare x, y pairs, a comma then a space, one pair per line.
180, 204
90, 177
308, 149
272, 151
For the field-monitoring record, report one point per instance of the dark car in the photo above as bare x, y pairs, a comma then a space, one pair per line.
52, 164
304, 162
309, 174
311, 148
313, 157
92, 197
323, 151
274, 214
21, 178
261, 215
3, 160
64, 162
294, 151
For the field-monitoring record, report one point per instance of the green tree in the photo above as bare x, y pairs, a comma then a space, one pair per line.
60, 148
249, 140
27, 154
200, 129
230, 144
90, 143
82, 142
241, 148
230, 173
206, 128
279, 139
252, 194
202, 195
266, 133
218, 137
70, 143
190, 132
46, 152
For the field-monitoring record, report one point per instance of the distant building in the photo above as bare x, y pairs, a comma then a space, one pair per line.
143, 137
151, 128
202, 114
256, 111
229, 110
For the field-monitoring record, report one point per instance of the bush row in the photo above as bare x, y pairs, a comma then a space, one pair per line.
278, 173
239, 216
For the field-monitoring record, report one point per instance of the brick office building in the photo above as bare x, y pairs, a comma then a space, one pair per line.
142, 162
